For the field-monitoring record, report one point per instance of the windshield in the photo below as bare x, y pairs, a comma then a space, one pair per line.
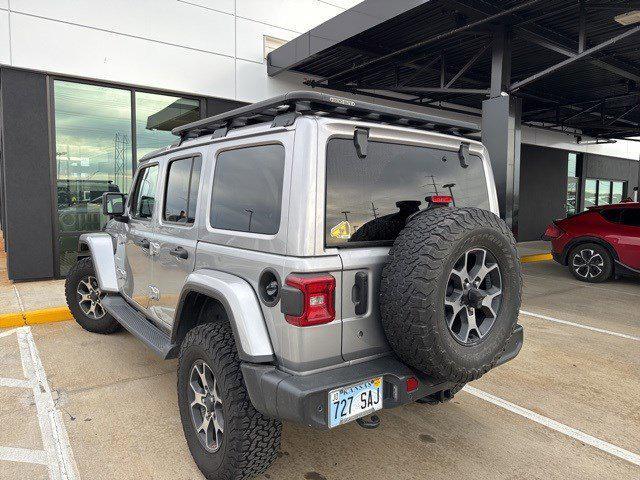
369, 199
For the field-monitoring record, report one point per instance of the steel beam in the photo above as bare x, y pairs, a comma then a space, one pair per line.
443, 90
561, 39
442, 36
468, 65
575, 58
582, 27
500, 61
624, 114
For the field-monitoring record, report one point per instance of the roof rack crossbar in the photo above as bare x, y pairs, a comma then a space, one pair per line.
284, 109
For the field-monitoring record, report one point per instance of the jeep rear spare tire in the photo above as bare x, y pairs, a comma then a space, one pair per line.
450, 292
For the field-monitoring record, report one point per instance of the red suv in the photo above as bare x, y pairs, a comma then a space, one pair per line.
598, 243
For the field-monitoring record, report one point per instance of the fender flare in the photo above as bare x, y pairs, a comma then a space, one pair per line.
587, 239
101, 247
242, 307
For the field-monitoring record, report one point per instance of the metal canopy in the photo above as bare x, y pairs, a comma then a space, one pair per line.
575, 67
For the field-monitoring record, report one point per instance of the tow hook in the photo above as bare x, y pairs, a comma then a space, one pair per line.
439, 397
370, 423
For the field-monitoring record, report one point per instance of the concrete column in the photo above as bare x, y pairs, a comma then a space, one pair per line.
501, 128
501, 134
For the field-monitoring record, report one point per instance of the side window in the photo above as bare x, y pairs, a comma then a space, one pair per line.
631, 217
247, 189
612, 214
144, 195
181, 195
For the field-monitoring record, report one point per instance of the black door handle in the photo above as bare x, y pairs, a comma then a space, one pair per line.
179, 252
144, 243
360, 293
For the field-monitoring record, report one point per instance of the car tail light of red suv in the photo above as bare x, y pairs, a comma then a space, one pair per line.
309, 299
552, 232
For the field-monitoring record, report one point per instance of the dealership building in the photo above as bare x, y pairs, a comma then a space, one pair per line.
88, 88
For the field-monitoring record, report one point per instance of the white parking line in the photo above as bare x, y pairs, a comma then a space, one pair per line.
579, 325
557, 426
8, 332
25, 455
15, 383
61, 463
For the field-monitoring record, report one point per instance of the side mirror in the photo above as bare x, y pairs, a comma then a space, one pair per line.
113, 204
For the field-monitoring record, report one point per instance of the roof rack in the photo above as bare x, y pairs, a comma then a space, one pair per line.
284, 109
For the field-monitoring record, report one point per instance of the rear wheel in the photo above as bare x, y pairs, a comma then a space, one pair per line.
228, 438
84, 299
590, 262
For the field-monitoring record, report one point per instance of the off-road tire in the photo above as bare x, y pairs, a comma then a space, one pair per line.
105, 325
251, 441
607, 267
413, 285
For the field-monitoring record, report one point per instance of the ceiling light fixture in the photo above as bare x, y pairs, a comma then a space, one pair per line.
628, 18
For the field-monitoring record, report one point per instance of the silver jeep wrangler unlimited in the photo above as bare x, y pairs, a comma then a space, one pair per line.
308, 258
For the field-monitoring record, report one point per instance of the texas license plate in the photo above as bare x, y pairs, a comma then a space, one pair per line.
354, 401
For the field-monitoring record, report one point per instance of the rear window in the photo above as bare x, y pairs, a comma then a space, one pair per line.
369, 199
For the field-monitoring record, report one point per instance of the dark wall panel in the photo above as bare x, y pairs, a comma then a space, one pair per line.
543, 189
220, 105
612, 168
26, 175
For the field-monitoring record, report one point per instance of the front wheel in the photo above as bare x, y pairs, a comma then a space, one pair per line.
591, 263
228, 438
84, 299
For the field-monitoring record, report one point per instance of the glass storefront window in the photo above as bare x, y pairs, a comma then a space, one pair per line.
157, 115
590, 191
93, 156
604, 192
573, 183
94, 153
617, 192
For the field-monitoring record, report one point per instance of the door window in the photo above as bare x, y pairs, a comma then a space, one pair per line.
247, 189
182, 190
144, 196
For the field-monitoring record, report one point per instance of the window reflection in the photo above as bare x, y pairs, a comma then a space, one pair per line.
157, 115
370, 200
93, 156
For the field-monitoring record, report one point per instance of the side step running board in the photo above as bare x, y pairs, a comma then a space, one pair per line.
136, 323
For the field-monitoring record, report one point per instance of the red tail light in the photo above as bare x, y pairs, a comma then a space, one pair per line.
552, 231
318, 302
439, 199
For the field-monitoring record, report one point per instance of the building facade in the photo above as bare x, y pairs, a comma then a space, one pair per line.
87, 88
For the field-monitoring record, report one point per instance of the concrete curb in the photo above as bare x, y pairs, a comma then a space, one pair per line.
540, 257
34, 317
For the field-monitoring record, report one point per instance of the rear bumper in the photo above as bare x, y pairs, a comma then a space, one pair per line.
304, 398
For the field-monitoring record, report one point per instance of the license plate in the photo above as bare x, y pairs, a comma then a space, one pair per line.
354, 401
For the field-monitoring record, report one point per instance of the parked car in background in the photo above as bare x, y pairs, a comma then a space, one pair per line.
600, 243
